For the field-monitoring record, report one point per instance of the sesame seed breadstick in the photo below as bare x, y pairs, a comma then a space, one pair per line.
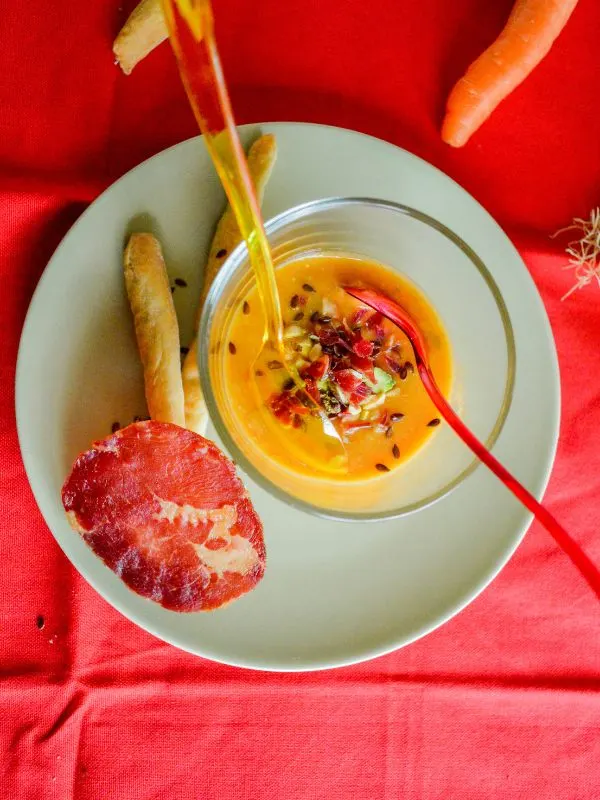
144, 30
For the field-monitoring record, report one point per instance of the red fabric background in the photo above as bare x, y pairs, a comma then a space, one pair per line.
502, 702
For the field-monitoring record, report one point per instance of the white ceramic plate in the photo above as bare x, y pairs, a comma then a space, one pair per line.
334, 593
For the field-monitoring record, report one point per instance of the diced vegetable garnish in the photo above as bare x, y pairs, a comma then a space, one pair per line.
348, 366
293, 331
383, 382
329, 308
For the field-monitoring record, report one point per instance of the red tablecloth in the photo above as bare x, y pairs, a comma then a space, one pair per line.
502, 702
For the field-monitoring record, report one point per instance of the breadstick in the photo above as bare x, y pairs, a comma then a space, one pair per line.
144, 30
261, 158
156, 327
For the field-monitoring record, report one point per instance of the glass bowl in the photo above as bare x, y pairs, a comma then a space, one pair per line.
465, 296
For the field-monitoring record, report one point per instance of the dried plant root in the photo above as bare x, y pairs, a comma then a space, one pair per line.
583, 252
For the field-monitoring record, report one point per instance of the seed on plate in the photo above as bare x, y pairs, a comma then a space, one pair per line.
396, 416
298, 316
433, 423
116, 426
409, 367
172, 289
259, 373
382, 468
403, 373
221, 253
315, 316
40, 621
289, 384
307, 287
294, 301
184, 350
232, 348
246, 307
389, 432
396, 451
181, 282
274, 364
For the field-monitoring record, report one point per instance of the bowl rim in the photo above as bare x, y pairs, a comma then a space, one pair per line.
228, 269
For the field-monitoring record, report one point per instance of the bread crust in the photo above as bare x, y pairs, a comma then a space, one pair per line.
144, 30
156, 328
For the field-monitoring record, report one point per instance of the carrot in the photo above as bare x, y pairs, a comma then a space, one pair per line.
528, 35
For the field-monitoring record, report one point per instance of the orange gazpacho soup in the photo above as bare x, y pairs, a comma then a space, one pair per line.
357, 367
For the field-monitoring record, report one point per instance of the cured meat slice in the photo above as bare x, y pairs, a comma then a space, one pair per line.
165, 510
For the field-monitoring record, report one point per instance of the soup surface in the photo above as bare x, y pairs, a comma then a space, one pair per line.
357, 367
